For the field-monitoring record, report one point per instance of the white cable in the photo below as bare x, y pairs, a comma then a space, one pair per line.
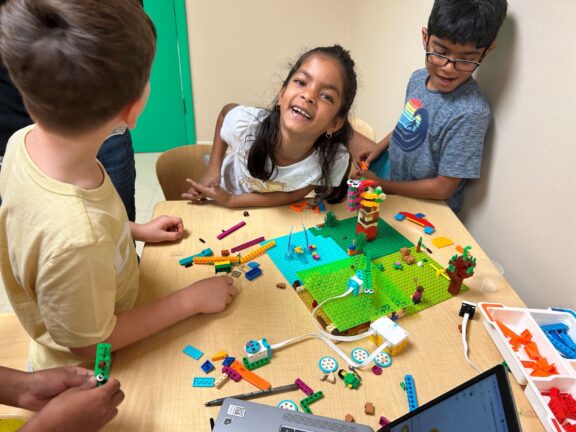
464, 325
327, 338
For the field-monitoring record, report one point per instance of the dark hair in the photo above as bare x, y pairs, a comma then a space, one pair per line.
467, 21
77, 63
268, 133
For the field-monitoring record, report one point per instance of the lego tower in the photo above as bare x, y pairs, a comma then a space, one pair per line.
365, 196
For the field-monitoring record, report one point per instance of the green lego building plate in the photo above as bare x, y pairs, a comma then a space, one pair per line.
387, 239
393, 288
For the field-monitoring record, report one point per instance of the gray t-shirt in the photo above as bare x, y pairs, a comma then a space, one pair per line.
440, 134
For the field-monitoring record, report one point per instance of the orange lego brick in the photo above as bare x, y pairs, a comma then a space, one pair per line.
249, 376
257, 252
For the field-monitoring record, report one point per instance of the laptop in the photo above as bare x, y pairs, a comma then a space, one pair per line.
484, 403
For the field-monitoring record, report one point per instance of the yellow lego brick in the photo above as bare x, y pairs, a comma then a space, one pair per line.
441, 242
219, 356
257, 252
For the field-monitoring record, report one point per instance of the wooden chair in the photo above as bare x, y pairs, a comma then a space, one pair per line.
174, 166
362, 127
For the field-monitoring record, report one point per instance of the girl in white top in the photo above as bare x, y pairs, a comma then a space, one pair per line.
278, 156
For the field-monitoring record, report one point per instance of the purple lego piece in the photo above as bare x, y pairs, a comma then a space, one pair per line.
383, 421
302, 386
234, 376
377, 370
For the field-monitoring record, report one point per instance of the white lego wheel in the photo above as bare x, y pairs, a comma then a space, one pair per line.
328, 364
383, 359
359, 355
287, 404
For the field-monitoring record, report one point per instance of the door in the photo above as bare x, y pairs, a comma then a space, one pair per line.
168, 119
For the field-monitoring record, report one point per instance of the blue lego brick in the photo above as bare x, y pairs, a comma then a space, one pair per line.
203, 382
252, 346
195, 353
327, 248
253, 264
207, 366
228, 361
253, 274
411, 392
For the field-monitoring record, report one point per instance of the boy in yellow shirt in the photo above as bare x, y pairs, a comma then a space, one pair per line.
67, 257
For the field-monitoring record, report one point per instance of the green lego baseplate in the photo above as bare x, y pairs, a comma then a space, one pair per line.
393, 288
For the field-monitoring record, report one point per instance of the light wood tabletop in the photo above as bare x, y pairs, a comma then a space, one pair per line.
157, 377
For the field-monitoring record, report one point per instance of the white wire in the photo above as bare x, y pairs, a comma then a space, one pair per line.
327, 338
464, 326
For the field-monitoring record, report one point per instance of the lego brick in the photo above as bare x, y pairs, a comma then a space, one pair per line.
256, 364
221, 380
247, 244
203, 382
258, 252
369, 408
207, 366
234, 375
302, 386
253, 274
230, 230
349, 418
228, 361
193, 352
102, 363
251, 377
219, 356
188, 260
411, 392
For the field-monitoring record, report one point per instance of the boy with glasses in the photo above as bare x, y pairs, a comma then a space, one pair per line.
437, 143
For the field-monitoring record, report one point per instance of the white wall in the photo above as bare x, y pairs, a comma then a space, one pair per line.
523, 209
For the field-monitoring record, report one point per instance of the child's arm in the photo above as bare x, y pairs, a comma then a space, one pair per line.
205, 296
163, 228
219, 147
364, 149
254, 199
438, 188
67, 398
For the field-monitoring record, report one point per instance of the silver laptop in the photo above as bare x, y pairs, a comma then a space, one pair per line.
243, 416
484, 403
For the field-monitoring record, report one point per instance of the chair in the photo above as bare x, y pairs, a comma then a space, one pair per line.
174, 166
362, 127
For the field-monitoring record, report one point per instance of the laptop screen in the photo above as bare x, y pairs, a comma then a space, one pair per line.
484, 403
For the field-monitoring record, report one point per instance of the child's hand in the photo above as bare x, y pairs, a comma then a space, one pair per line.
213, 191
163, 228
366, 174
84, 408
209, 179
41, 386
213, 294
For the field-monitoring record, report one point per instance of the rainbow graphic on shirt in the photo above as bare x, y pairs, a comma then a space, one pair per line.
412, 128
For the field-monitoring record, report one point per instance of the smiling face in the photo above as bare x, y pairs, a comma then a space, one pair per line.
312, 98
446, 78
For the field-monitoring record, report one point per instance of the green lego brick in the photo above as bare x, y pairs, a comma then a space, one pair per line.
305, 403
102, 363
255, 365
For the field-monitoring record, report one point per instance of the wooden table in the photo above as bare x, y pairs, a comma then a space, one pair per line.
157, 377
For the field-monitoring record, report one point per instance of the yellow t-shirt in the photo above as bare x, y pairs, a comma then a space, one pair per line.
67, 259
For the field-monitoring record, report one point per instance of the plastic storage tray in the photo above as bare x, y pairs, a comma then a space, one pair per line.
518, 320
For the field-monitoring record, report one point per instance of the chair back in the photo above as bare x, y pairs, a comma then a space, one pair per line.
174, 166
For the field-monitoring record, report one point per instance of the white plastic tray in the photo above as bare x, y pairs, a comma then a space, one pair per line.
518, 320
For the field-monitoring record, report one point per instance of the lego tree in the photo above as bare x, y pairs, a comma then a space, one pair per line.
460, 268
330, 220
361, 241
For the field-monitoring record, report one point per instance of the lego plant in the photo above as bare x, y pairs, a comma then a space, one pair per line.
361, 241
331, 220
460, 268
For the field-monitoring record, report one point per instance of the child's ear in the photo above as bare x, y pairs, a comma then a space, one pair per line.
337, 124
424, 37
490, 48
132, 111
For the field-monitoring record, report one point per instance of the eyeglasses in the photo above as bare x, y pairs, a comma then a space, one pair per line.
460, 65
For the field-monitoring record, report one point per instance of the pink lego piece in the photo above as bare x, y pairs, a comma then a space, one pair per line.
247, 244
230, 230
302, 386
234, 376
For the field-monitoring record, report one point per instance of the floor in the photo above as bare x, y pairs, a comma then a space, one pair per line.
148, 193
